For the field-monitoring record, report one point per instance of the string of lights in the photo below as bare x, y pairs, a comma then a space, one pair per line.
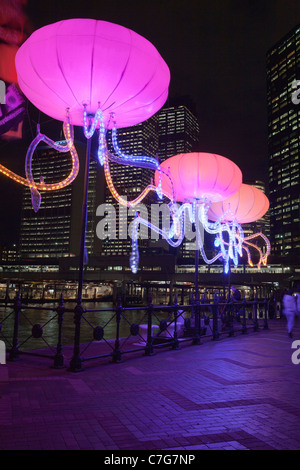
35, 187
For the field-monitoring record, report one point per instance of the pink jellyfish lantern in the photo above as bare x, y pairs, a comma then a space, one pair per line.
248, 204
199, 176
93, 74
88, 65
195, 180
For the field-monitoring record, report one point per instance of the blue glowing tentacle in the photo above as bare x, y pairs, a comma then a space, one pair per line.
235, 234
151, 162
90, 122
212, 260
159, 190
199, 240
101, 140
134, 257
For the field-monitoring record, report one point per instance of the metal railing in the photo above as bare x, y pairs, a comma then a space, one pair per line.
132, 329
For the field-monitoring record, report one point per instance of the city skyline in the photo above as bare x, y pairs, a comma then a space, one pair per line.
219, 132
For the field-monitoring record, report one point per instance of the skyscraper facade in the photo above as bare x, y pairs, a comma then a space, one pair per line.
178, 131
283, 62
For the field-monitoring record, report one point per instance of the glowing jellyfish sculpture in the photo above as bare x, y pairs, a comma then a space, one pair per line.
248, 204
100, 76
194, 180
93, 74
211, 194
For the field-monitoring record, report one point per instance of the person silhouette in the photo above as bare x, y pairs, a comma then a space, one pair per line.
298, 300
289, 310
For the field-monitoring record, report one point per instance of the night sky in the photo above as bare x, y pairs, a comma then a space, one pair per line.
216, 52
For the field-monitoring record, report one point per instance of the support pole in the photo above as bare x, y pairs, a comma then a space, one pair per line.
196, 254
75, 364
14, 352
196, 339
84, 221
59, 357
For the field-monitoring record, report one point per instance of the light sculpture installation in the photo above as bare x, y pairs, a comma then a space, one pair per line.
248, 204
210, 190
196, 180
100, 76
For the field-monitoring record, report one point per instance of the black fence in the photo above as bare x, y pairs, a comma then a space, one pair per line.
143, 329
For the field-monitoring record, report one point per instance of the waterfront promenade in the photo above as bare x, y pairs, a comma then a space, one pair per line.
237, 393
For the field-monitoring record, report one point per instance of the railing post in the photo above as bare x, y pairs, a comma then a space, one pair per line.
244, 322
193, 309
255, 321
196, 339
149, 345
59, 357
14, 352
175, 338
215, 318
231, 327
76, 363
116, 356
266, 326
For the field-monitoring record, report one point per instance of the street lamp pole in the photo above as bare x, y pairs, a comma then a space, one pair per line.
75, 363
84, 221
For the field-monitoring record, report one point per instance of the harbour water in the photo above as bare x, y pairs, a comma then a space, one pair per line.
48, 319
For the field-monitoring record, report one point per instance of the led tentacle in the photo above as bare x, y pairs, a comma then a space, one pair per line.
35, 187
148, 162
42, 186
263, 257
167, 235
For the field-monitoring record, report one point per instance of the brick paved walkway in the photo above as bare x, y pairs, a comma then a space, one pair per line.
236, 393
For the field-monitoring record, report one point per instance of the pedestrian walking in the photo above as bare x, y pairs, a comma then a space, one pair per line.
298, 300
235, 294
289, 310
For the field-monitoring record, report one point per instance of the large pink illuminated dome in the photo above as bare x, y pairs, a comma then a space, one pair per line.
199, 176
80, 62
248, 204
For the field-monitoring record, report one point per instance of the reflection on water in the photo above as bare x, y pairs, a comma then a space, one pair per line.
48, 320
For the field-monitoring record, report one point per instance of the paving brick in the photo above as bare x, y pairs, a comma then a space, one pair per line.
238, 393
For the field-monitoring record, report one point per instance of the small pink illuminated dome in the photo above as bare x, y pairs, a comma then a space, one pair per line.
248, 205
198, 176
79, 62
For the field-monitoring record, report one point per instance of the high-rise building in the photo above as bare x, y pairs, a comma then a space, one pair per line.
283, 69
178, 131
